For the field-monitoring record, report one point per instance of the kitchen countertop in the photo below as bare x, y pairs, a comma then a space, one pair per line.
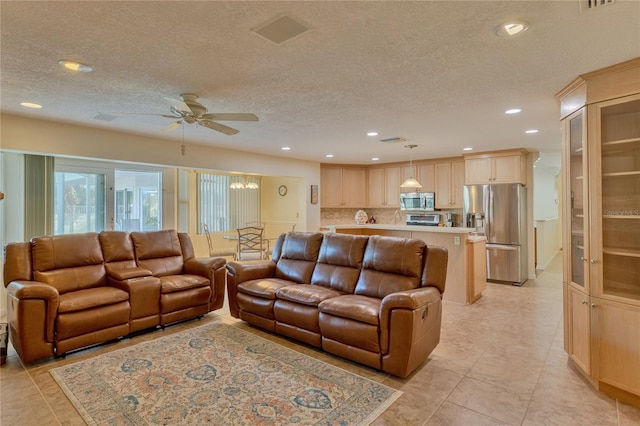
401, 227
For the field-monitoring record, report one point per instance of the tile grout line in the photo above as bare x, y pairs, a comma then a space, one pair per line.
546, 358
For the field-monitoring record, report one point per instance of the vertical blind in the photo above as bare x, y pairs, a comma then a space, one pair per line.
223, 209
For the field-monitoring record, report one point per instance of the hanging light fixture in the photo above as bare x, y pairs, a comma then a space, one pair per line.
243, 184
411, 182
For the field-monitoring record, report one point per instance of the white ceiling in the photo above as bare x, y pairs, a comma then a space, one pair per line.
431, 72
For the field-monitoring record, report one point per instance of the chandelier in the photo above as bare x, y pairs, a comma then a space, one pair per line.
243, 184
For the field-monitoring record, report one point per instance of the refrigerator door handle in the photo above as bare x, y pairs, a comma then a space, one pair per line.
503, 247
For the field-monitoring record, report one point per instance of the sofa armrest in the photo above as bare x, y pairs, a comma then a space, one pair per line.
238, 272
203, 266
129, 273
214, 269
417, 300
32, 309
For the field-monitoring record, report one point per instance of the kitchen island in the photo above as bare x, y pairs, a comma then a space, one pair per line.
466, 268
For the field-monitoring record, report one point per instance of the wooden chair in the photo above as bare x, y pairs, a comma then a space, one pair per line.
220, 251
251, 244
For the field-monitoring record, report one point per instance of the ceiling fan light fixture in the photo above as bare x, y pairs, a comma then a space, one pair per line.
411, 182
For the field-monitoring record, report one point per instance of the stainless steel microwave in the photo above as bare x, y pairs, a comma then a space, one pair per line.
423, 201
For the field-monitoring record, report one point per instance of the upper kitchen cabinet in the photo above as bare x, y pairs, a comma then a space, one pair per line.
343, 186
449, 182
600, 112
497, 167
384, 186
426, 175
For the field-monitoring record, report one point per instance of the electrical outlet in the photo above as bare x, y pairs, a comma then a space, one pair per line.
456, 240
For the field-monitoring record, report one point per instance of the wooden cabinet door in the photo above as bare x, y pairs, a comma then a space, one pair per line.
376, 188
354, 187
443, 185
392, 178
426, 175
457, 185
616, 328
579, 328
507, 169
498, 169
477, 171
331, 186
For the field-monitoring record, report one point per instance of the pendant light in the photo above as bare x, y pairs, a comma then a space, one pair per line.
244, 184
411, 182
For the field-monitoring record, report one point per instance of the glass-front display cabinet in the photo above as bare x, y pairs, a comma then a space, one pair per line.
618, 215
600, 113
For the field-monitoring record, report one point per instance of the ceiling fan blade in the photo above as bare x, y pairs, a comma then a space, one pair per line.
179, 105
217, 127
231, 116
171, 127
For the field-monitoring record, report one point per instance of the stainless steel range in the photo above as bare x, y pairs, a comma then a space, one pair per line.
423, 219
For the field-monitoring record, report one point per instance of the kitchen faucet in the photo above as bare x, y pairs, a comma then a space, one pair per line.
396, 215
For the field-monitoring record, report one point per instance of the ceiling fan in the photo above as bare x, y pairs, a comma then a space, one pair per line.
188, 110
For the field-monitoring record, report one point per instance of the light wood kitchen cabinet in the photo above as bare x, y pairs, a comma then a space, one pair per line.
579, 336
449, 180
343, 187
426, 175
384, 186
476, 269
504, 167
601, 172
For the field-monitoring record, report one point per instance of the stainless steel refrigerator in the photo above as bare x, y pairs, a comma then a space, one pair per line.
499, 212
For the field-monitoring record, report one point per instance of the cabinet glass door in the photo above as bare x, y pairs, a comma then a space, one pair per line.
577, 187
619, 212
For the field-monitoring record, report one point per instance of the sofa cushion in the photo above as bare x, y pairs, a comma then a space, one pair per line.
69, 262
390, 265
158, 251
298, 256
339, 261
173, 283
359, 308
306, 294
90, 298
265, 288
117, 249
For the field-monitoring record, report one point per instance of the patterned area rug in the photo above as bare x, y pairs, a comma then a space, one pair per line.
220, 375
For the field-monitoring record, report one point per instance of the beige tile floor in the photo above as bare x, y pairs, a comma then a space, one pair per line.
499, 362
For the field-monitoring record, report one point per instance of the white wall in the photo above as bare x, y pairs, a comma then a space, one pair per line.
22, 134
28, 135
546, 213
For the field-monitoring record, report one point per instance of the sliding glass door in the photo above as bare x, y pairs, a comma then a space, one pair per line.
80, 204
93, 199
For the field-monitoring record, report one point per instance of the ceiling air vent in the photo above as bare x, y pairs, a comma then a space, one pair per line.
593, 4
281, 28
393, 140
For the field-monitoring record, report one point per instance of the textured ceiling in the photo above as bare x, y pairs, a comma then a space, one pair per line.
431, 72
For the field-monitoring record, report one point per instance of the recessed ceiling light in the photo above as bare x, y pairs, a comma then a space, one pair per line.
285, 148
30, 105
467, 149
513, 111
532, 131
372, 134
75, 66
511, 28
329, 155
375, 159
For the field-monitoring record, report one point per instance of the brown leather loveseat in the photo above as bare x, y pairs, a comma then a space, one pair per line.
374, 300
70, 291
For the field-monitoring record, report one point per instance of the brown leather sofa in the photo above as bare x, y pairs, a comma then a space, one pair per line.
374, 300
70, 291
